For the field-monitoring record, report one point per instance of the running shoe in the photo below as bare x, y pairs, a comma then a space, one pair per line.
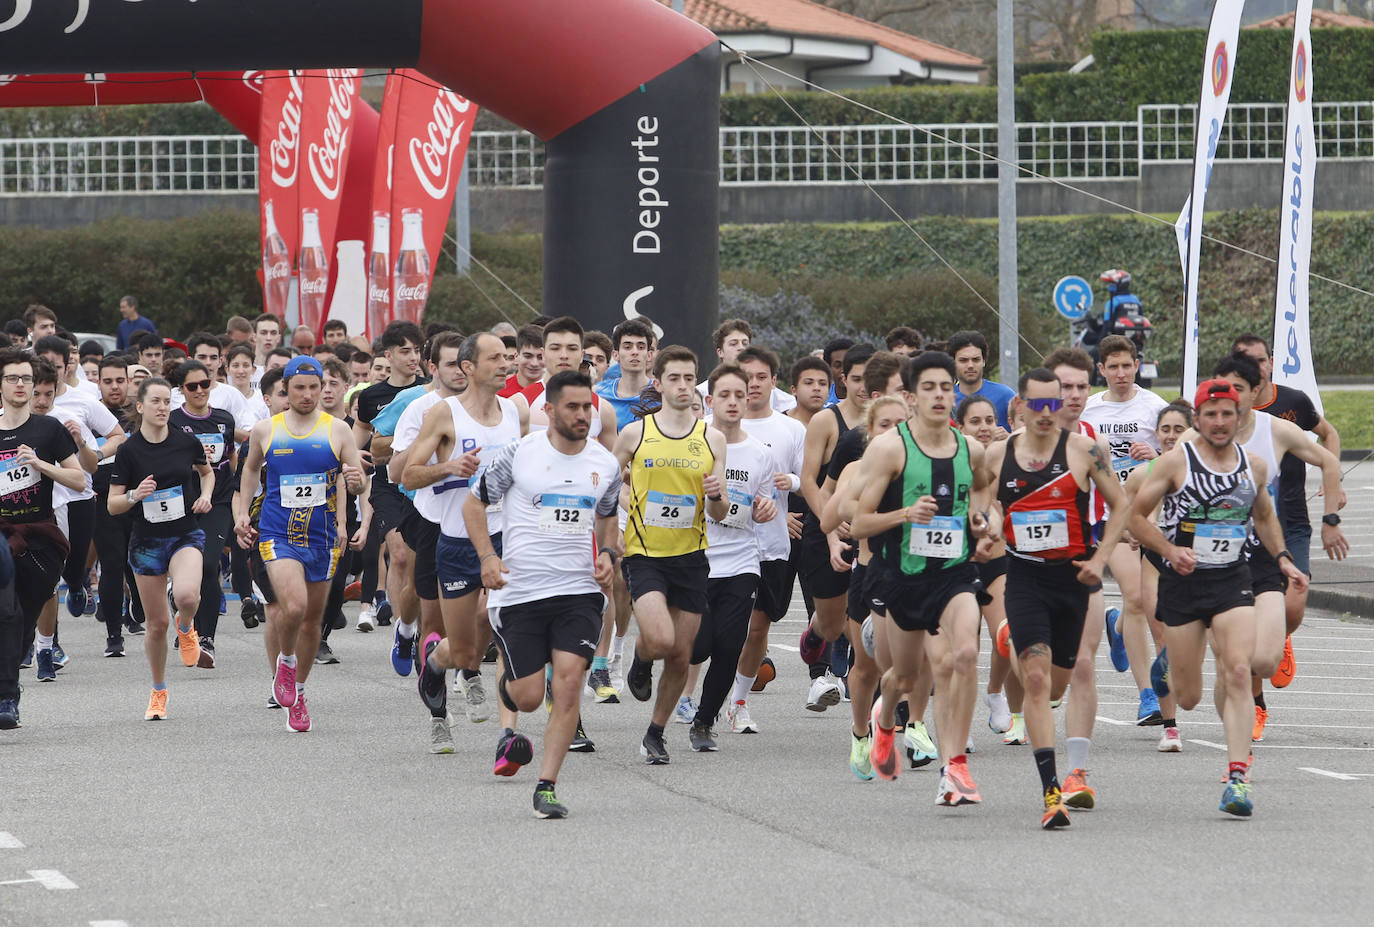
339, 621
970, 746
491, 653
825, 691
686, 711
114, 646
547, 805
367, 619
1120, 662
28, 659
640, 679
187, 645
284, 685
1004, 640
383, 613
76, 600
402, 652
298, 716
548, 691
250, 613
433, 691
859, 749
1076, 791
653, 749
962, 791
223, 603
59, 656
513, 750
882, 754
811, 646
353, 591
767, 673
325, 656
46, 671
91, 602
1287, 667
1235, 799
999, 713
1171, 741
474, 698
602, 691
1056, 815
581, 743
920, 749
616, 670
440, 735
205, 659
1261, 716
9, 714
157, 706
1159, 673
1149, 713
703, 739
1016, 734
740, 720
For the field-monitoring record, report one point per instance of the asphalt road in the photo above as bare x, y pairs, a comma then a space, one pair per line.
221, 816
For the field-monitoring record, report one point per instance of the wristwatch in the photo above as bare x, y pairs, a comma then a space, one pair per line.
1331, 519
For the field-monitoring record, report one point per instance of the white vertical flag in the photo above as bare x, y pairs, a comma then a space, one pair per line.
1218, 68
1292, 340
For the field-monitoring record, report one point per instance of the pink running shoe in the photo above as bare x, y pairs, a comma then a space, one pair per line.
298, 717
284, 684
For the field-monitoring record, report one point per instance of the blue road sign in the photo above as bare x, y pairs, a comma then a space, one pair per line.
1073, 297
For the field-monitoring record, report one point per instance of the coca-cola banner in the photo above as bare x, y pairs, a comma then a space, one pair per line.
279, 166
379, 232
431, 141
329, 107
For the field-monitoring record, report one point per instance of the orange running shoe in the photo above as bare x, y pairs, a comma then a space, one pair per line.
1287, 667
1076, 792
353, 591
767, 673
157, 706
1261, 719
1055, 813
188, 645
1004, 640
883, 755
961, 784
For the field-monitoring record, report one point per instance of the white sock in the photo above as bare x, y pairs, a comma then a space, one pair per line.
43, 642
290, 661
1078, 752
300, 689
742, 686
617, 647
407, 629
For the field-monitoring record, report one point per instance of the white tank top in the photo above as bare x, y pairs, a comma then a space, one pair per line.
1261, 444
444, 504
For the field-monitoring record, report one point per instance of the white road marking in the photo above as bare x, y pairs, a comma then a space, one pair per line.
9, 842
109, 924
1114, 721
50, 879
1207, 743
1328, 773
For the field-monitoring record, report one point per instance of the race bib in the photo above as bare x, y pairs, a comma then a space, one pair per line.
1122, 466
214, 447
15, 476
559, 514
943, 538
664, 510
1040, 530
303, 490
741, 512
1218, 545
165, 505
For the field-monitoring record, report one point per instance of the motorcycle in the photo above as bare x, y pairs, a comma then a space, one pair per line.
1123, 316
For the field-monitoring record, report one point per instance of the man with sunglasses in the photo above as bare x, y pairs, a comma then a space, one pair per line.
1043, 478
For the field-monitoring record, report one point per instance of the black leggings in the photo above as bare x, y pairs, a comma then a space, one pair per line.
36, 573
80, 530
112, 535
218, 525
724, 628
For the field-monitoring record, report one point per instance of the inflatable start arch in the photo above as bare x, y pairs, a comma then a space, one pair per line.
624, 92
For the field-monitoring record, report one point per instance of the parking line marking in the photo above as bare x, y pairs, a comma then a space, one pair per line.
1328, 773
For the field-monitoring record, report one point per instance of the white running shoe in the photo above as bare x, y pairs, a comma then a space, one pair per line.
475, 698
970, 747
825, 692
367, 619
1171, 741
617, 671
686, 710
999, 713
1016, 734
440, 737
740, 721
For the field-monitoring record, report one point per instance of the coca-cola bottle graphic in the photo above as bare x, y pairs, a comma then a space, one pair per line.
314, 270
379, 275
412, 268
276, 267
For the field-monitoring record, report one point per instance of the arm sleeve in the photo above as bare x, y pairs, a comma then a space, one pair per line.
609, 503
499, 475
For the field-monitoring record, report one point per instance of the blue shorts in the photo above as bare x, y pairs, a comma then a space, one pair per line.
319, 562
1299, 544
456, 562
152, 556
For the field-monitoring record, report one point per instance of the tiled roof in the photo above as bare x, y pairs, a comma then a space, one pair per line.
802, 17
1321, 19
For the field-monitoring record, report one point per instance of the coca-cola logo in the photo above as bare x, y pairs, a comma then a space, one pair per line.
314, 285
417, 293
253, 81
325, 160
284, 150
278, 271
378, 294
431, 154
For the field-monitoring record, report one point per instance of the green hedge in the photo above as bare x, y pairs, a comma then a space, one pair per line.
79, 121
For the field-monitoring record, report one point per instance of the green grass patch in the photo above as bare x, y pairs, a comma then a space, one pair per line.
1352, 413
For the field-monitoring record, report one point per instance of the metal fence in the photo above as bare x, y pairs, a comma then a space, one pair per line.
749, 155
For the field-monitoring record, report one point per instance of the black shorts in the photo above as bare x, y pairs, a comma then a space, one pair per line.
857, 601
987, 573
814, 566
529, 632
1046, 604
422, 536
681, 579
257, 572
775, 588
725, 623
1265, 575
1202, 594
389, 506
915, 603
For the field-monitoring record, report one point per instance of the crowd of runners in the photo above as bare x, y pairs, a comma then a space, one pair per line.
519, 498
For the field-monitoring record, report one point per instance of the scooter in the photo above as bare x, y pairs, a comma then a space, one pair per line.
1123, 316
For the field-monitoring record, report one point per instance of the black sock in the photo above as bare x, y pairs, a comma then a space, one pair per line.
1170, 722
1044, 764
819, 668
902, 713
656, 730
470, 674
1259, 700
544, 785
